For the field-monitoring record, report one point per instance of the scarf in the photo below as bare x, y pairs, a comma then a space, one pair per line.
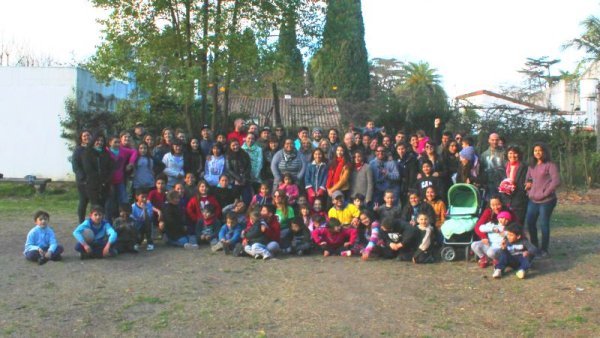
358, 166
511, 170
333, 176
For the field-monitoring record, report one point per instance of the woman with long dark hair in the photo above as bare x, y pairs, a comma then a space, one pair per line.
80, 179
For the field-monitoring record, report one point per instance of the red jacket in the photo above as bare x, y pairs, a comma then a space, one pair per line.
241, 137
194, 207
486, 217
334, 240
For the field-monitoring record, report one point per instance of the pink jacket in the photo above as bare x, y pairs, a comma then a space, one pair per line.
126, 156
334, 240
291, 191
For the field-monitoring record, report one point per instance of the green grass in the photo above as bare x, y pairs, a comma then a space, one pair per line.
20, 198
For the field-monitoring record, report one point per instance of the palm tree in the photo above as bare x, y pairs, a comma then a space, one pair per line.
589, 40
422, 96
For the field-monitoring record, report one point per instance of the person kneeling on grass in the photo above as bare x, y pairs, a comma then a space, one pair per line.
256, 239
41, 244
513, 253
230, 234
335, 239
127, 234
298, 240
95, 236
173, 223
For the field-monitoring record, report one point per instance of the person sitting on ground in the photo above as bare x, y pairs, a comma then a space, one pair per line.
95, 236
335, 239
229, 235
415, 207
490, 247
397, 239
41, 245
173, 224
208, 227
513, 253
425, 237
256, 238
127, 234
298, 240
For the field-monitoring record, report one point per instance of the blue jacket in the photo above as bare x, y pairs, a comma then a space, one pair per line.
391, 180
39, 237
137, 213
232, 235
316, 176
100, 232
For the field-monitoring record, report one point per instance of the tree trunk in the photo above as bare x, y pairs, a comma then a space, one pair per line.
189, 98
215, 60
598, 118
204, 64
230, 59
276, 111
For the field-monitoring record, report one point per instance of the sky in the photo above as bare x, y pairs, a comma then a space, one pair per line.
473, 44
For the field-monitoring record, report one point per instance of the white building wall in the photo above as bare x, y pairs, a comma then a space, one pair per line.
32, 103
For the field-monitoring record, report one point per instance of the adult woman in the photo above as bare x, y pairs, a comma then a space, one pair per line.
489, 214
316, 177
270, 151
408, 168
255, 153
97, 169
361, 178
451, 162
80, 179
437, 165
163, 148
215, 166
193, 160
338, 173
287, 160
542, 181
515, 195
149, 140
325, 146
368, 234
413, 208
239, 168
283, 211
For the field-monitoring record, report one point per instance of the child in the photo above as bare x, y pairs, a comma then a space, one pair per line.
513, 253
127, 234
143, 169
157, 197
224, 193
263, 197
298, 240
369, 238
317, 208
301, 200
142, 212
229, 235
335, 239
207, 228
424, 236
490, 247
290, 188
359, 202
388, 209
173, 223
439, 209
305, 214
189, 185
317, 221
95, 236
256, 239
397, 239
41, 244
200, 201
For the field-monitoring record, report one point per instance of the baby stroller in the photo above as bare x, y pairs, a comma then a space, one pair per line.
463, 213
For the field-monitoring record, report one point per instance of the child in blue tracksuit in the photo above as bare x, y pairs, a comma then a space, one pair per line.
142, 213
230, 233
513, 253
41, 245
95, 236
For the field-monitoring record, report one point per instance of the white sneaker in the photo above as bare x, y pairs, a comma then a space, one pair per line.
136, 247
497, 273
187, 246
520, 274
150, 247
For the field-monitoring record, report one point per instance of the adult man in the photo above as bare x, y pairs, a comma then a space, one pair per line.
263, 140
349, 142
493, 165
385, 175
317, 135
138, 134
238, 132
206, 141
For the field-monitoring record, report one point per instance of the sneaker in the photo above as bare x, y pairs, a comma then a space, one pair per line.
150, 247
218, 246
483, 262
266, 257
497, 273
257, 256
299, 252
136, 247
520, 274
346, 253
42, 260
190, 246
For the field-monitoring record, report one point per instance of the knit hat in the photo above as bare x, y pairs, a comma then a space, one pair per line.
468, 153
317, 129
506, 215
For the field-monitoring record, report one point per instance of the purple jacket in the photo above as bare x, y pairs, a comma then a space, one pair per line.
545, 179
126, 156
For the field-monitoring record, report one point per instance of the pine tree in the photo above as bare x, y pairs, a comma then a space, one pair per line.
341, 66
289, 67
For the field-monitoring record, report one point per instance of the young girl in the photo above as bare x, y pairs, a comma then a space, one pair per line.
174, 163
143, 169
215, 165
304, 211
207, 228
439, 209
335, 239
263, 197
200, 201
290, 188
490, 247
284, 212
123, 159
369, 238
427, 179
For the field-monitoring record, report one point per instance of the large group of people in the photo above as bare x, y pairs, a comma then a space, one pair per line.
259, 192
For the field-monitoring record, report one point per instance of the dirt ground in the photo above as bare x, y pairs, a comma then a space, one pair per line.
172, 292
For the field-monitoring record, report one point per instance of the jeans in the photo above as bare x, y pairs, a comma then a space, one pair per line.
83, 202
514, 261
181, 241
34, 255
116, 197
97, 248
257, 249
144, 229
481, 250
541, 212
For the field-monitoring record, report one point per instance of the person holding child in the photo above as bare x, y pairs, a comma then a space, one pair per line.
41, 244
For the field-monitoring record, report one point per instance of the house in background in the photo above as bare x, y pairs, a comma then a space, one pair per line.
32, 104
295, 112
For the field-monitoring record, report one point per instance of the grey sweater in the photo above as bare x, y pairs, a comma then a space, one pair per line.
361, 181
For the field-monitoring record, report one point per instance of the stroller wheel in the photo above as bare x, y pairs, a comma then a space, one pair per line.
448, 254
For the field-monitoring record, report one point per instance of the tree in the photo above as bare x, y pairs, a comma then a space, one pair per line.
421, 96
341, 68
289, 67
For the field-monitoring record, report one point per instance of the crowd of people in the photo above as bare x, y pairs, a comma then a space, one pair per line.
259, 192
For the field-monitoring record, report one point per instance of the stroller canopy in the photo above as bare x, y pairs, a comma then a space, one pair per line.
463, 199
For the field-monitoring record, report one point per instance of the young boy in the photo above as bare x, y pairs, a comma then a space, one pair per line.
397, 239
127, 234
256, 238
189, 185
229, 235
335, 239
359, 202
388, 209
41, 244
207, 228
173, 224
298, 240
142, 213
95, 236
158, 197
513, 253
424, 232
